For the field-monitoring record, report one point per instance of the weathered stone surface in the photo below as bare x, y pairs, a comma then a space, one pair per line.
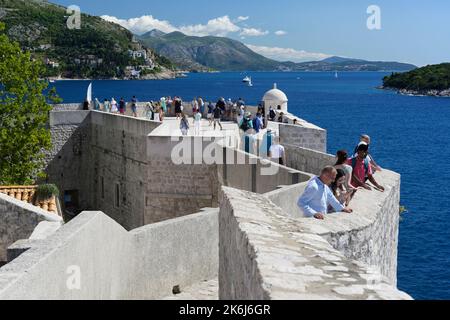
18, 220
113, 263
253, 267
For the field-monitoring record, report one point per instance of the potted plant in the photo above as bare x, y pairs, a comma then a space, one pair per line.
46, 196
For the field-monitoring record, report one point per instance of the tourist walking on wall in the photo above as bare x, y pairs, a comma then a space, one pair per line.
163, 103
246, 123
362, 169
169, 106
106, 106
317, 197
277, 152
272, 114
240, 115
122, 106
96, 104
210, 115
134, 106
184, 125
114, 108
178, 108
149, 112
195, 107
258, 123
157, 114
217, 117
201, 104
197, 123
221, 105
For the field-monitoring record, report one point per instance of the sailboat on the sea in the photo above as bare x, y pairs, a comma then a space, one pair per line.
336, 75
247, 79
89, 93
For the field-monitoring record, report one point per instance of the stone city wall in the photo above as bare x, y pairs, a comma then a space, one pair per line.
264, 254
304, 135
113, 263
307, 160
18, 220
251, 173
118, 167
371, 233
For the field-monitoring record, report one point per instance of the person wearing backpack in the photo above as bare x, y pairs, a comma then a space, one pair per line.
246, 123
272, 114
184, 125
362, 169
217, 116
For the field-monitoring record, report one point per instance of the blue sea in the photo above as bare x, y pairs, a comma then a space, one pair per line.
410, 136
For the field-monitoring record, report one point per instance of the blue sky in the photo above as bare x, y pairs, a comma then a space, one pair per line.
411, 31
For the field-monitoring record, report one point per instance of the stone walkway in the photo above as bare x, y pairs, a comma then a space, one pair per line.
206, 290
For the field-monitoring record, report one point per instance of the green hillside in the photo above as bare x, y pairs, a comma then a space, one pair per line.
99, 49
433, 77
206, 53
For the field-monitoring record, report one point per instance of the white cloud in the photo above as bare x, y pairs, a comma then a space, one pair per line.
142, 24
288, 54
252, 32
280, 33
221, 27
241, 18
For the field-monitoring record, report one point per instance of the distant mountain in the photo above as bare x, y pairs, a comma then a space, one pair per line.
99, 49
207, 53
432, 80
223, 54
347, 64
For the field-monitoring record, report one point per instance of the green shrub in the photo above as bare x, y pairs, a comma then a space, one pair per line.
46, 191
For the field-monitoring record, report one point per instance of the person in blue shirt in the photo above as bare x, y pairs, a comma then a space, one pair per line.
258, 123
318, 196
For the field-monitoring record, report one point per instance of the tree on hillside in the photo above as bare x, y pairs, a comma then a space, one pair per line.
24, 114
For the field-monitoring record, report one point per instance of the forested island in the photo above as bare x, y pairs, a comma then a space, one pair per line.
432, 80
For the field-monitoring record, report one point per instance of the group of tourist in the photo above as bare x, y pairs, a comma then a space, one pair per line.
217, 112
333, 190
112, 106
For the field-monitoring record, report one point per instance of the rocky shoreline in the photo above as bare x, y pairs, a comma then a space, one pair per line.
421, 93
164, 75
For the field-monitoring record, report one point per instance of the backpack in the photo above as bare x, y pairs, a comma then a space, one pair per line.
366, 164
272, 114
245, 125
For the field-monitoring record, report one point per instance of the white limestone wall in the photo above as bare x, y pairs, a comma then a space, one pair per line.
370, 234
112, 263
18, 220
265, 255
177, 252
304, 135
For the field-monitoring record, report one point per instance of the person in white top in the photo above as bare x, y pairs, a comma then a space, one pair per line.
114, 106
277, 152
197, 123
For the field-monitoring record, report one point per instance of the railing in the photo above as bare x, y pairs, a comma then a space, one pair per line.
28, 194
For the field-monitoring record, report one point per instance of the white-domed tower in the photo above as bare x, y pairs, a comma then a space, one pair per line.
274, 98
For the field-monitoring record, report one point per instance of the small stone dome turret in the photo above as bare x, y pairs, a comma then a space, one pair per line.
274, 98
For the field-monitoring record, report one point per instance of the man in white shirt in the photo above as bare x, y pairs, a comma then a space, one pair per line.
317, 197
277, 152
